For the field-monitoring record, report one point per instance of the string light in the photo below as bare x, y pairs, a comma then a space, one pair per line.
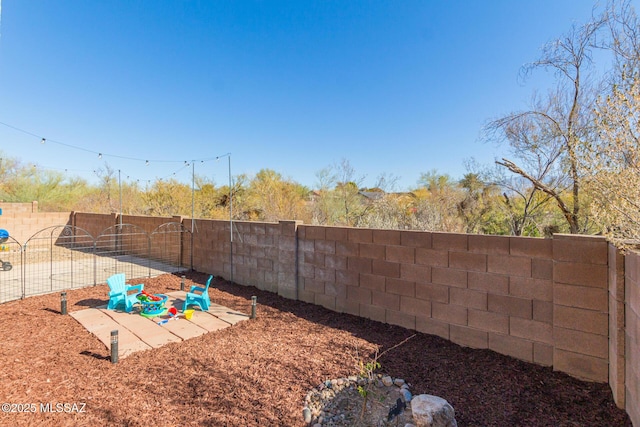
99, 154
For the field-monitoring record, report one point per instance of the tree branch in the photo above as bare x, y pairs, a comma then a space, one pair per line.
540, 186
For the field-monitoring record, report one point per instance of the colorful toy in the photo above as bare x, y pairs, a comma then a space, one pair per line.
188, 314
173, 315
4, 236
152, 305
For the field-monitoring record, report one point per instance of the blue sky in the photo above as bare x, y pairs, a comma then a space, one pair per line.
395, 87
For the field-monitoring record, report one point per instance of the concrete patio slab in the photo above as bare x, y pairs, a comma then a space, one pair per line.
145, 329
208, 321
229, 316
137, 333
211, 317
100, 324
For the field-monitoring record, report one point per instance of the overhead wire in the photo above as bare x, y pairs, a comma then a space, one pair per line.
100, 154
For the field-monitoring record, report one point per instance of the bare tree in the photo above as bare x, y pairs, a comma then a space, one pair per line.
546, 139
108, 188
612, 161
338, 201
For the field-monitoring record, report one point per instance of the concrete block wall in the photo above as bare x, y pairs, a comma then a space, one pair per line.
479, 291
19, 208
264, 254
148, 223
632, 337
94, 223
616, 295
168, 243
22, 220
210, 247
162, 246
581, 306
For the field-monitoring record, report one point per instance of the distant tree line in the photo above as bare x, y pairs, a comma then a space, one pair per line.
571, 163
437, 203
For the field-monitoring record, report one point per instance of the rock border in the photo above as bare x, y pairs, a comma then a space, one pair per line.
330, 403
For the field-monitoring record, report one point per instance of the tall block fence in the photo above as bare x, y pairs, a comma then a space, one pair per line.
569, 302
23, 220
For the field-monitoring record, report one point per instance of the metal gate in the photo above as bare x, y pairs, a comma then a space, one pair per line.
58, 257
123, 248
167, 246
68, 257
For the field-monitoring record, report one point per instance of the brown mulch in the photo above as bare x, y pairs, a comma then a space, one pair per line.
258, 372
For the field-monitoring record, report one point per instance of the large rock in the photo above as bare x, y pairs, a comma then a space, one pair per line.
432, 411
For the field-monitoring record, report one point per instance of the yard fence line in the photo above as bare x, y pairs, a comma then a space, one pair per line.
67, 256
570, 302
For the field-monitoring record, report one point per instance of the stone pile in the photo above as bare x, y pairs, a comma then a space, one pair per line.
337, 402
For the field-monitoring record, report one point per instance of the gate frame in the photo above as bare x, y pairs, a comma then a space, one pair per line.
73, 232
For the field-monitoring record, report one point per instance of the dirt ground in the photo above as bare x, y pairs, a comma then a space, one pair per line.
258, 372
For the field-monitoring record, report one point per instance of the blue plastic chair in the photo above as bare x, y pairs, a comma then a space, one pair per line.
200, 299
119, 293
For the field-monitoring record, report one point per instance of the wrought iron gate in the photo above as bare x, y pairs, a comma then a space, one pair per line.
68, 257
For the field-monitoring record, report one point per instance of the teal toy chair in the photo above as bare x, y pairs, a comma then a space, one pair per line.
201, 299
119, 293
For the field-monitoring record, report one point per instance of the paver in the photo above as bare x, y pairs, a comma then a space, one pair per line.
100, 324
145, 329
208, 321
184, 329
230, 316
136, 333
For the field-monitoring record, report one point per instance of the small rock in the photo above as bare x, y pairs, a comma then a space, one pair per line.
406, 394
409, 425
387, 381
340, 381
399, 382
317, 425
306, 414
432, 411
